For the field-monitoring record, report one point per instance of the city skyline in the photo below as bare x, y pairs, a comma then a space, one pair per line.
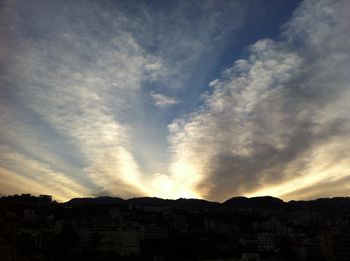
175, 99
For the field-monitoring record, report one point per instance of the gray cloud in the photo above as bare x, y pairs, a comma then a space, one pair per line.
187, 35
162, 100
74, 117
77, 76
73, 78
329, 187
272, 119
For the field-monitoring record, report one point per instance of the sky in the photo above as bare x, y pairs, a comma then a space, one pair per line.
191, 99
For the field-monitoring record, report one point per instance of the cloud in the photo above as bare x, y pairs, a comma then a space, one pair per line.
161, 100
74, 116
78, 80
39, 174
73, 78
277, 121
187, 35
329, 187
14, 183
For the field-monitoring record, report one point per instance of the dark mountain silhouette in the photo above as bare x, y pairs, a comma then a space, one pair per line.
181, 202
142, 202
323, 204
196, 203
148, 202
76, 202
254, 202
264, 202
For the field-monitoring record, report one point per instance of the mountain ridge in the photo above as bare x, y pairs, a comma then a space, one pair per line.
261, 202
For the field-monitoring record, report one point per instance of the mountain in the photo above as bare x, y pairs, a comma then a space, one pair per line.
148, 202
178, 203
266, 202
82, 202
336, 204
254, 202
143, 202
196, 203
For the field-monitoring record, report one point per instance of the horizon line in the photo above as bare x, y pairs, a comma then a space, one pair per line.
170, 199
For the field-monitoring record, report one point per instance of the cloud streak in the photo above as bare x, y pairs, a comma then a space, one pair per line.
73, 78
77, 79
40, 175
162, 100
275, 122
77, 85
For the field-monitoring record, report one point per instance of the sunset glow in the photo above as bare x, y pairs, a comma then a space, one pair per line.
175, 99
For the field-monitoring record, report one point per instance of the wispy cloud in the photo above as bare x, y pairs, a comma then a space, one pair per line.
40, 174
162, 100
78, 82
72, 80
76, 79
72, 75
276, 122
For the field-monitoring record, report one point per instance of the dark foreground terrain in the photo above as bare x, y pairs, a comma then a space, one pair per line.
105, 228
